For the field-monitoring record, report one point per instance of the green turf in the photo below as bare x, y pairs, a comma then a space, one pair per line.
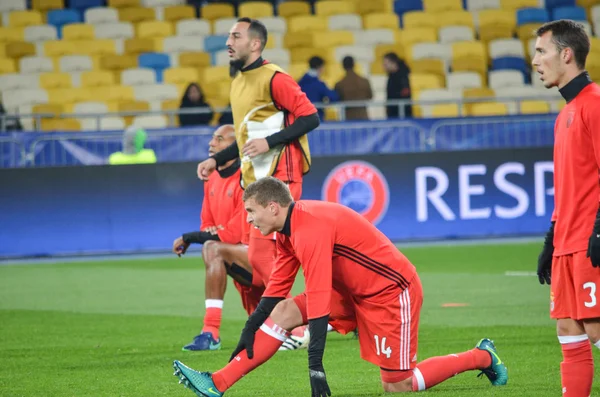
113, 328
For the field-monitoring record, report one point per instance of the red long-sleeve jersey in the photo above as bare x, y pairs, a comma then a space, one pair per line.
222, 204
337, 249
576, 165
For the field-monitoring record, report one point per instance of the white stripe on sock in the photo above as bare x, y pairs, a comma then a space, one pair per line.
572, 339
420, 380
218, 303
271, 332
597, 344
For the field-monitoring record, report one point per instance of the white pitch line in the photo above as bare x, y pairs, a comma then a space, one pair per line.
520, 274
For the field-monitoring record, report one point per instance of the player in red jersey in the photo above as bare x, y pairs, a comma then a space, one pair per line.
380, 288
570, 259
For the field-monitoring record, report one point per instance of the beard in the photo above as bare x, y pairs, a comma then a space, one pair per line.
236, 65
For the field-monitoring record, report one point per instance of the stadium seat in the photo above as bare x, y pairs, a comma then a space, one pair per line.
84, 5
35, 64
156, 92
382, 49
78, 31
445, 110
595, 13
97, 47
334, 7
275, 24
100, 15
54, 48
13, 5
180, 75
307, 23
215, 43
40, 33
161, 3
14, 81
53, 109
431, 51
453, 34
278, 56
54, 80
469, 56
75, 63
222, 26
403, 6
431, 66
456, 18
97, 78
441, 6
59, 18
373, 37
153, 29
333, 39
46, 5
381, 21
345, 22
488, 109
289, 9
359, 53
300, 39
476, 93
496, 24
420, 19
19, 49
140, 46
150, 122
410, 37
156, 61
114, 30
434, 95
532, 15
61, 124
20, 97
574, 13
177, 13
422, 81
192, 27
138, 76
21, 19
216, 11
123, 3
527, 32
182, 44
132, 106
216, 73
256, 9
66, 96
374, 7
458, 81
534, 107
506, 48
511, 63
116, 93
194, 59
116, 63
90, 107
551, 4
108, 123
136, 14
8, 35
505, 78
514, 5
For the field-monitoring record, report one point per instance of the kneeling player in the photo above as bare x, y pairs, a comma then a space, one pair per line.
380, 290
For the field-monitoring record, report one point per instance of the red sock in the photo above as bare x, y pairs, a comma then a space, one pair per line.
212, 321
266, 342
577, 369
435, 370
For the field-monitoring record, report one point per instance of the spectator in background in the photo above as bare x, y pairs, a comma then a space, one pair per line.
8, 123
354, 88
398, 86
314, 88
194, 98
133, 152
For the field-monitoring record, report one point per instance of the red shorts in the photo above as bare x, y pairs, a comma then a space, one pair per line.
388, 332
573, 292
250, 296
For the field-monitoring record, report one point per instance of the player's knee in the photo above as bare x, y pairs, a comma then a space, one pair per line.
568, 327
287, 315
592, 329
210, 252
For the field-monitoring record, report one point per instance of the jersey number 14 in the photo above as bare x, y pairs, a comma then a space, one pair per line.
382, 349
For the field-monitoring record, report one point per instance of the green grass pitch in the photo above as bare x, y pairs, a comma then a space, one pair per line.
113, 328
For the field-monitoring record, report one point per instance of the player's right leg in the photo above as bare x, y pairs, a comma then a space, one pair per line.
220, 259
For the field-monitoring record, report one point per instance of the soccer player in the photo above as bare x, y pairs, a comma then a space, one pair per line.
570, 259
381, 290
272, 116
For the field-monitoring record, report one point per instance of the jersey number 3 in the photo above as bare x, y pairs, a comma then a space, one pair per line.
382, 349
592, 287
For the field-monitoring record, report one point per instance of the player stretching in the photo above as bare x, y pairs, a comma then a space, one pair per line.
376, 280
221, 217
571, 254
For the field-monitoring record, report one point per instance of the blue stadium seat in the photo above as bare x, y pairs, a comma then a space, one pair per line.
83, 5
574, 13
532, 15
402, 6
551, 4
215, 43
512, 63
156, 61
59, 18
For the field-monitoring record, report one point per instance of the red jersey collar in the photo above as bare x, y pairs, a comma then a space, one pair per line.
287, 226
575, 86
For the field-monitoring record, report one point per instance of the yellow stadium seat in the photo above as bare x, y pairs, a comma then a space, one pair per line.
177, 13
216, 73
170, 104
255, 9
593, 66
299, 39
136, 14
527, 31
132, 106
78, 31
445, 110
420, 19
478, 93
514, 5
117, 63
7, 66
194, 59
45, 5
375, 6
534, 107
470, 56
297, 70
19, 49
21, 19
496, 24
456, 18
180, 75
123, 3
424, 81
382, 49
11, 34
216, 11
97, 78
57, 48
115, 93
442, 5
154, 29
327, 8
488, 109
332, 39
68, 95
308, 23
48, 108
3, 50
293, 8
139, 46
381, 21
300, 55
97, 47
54, 80
594, 45
60, 124
410, 37
432, 66
473, 49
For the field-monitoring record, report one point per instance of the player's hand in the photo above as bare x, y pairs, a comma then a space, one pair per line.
593, 251
318, 384
206, 168
180, 246
544, 268
255, 147
246, 343
213, 229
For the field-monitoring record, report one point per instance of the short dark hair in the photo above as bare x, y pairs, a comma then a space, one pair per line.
268, 189
316, 62
571, 34
392, 57
348, 63
257, 28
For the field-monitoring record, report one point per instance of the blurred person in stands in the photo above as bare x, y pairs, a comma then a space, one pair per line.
314, 88
8, 123
398, 86
193, 98
133, 152
354, 88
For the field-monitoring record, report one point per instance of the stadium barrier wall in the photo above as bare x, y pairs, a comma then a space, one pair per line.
410, 196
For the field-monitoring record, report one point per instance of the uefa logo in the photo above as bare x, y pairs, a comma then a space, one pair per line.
360, 186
